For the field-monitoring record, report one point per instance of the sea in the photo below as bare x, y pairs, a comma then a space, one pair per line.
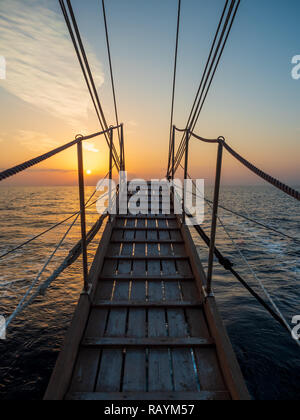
268, 355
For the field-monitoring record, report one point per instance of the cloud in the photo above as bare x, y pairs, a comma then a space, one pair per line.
35, 141
90, 147
132, 123
42, 68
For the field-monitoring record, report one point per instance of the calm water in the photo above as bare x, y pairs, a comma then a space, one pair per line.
269, 358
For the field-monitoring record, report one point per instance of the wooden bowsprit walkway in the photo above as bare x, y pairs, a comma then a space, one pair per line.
146, 331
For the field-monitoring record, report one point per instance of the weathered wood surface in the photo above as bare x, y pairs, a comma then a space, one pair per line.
149, 332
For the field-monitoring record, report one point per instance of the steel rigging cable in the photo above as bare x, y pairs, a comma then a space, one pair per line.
82, 58
174, 82
211, 73
110, 67
204, 73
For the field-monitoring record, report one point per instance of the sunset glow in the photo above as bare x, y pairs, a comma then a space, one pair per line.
47, 103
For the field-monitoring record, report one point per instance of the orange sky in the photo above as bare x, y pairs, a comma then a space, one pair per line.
46, 103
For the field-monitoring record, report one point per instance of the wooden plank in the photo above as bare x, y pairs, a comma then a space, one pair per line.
98, 318
168, 268
164, 235
179, 249
175, 235
154, 266
146, 228
62, 373
144, 304
150, 396
146, 257
120, 222
114, 249
130, 223
183, 267
117, 235
181, 353
172, 223
172, 341
152, 223
141, 223
147, 217
125, 266
109, 268
160, 377
228, 362
166, 250
139, 260
141, 235
149, 277
185, 377
135, 359
129, 234
110, 372
86, 368
208, 367
162, 224
146, 241
207, 362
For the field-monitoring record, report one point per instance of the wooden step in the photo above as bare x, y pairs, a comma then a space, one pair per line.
146, 305
129, 277
147, 241
125, 342
146, 257
149, 396
147, 217
147, 228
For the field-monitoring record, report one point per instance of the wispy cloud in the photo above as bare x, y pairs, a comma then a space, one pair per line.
132, 123
90, 147
36, 141
41, 64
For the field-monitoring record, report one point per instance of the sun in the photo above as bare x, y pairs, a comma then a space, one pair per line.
88, 172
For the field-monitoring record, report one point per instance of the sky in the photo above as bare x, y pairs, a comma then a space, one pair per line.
254, 102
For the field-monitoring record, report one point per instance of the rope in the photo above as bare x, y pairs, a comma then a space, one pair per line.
213, 68
111, 68
20, 306
174, 82
276, 313
18, 281
84, 64
205, 140
217, 64
23, 166
82, 49
72, 35
287, 265
267, 227
283, 322
54, 226
203, 76
228, 265
73, 255
273, 181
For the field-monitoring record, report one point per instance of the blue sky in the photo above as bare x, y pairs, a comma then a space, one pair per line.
254, 102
